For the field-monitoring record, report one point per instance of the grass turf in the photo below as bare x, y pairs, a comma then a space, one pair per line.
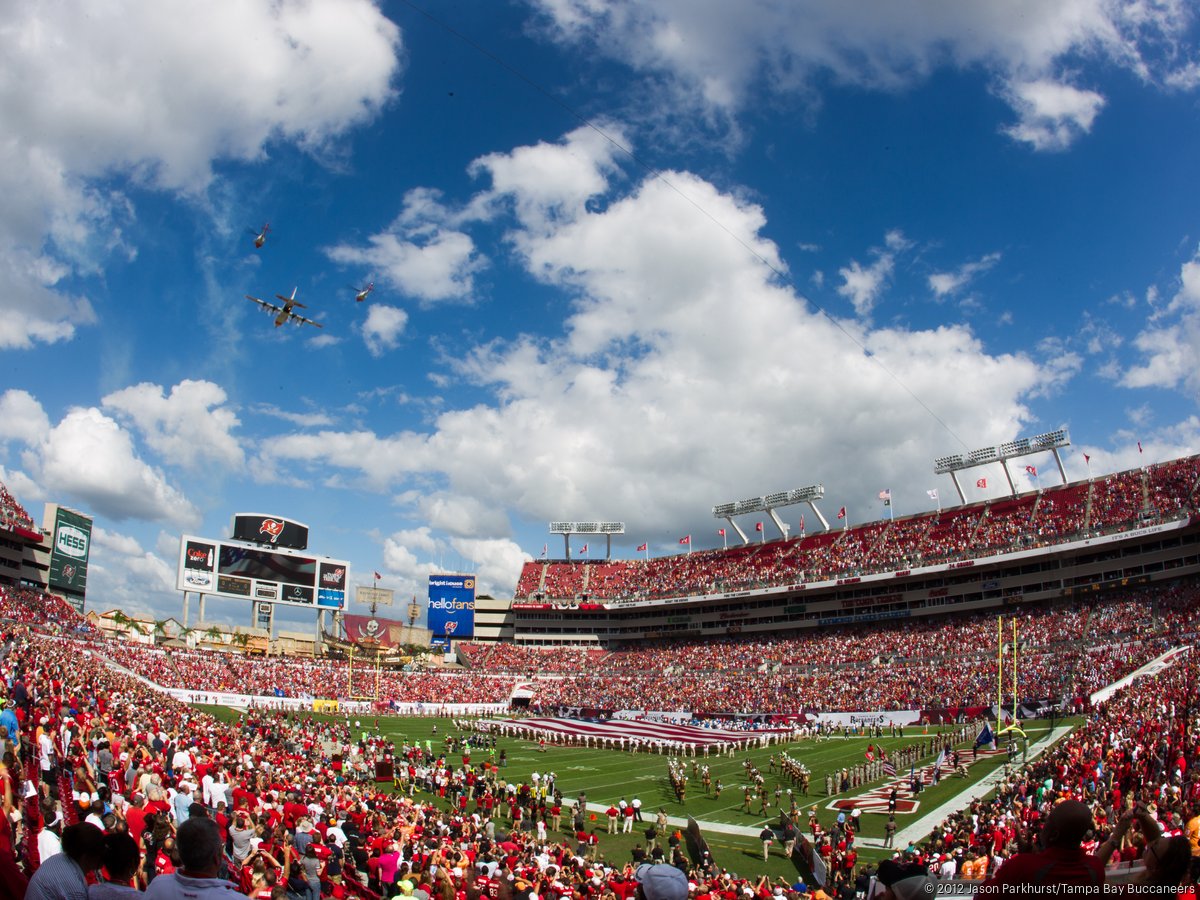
608, 775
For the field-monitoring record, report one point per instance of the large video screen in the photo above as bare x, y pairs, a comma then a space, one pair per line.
266, 566
239, 572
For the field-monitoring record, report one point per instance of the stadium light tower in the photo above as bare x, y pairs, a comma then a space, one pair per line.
1051, 441
607, 529
768, 504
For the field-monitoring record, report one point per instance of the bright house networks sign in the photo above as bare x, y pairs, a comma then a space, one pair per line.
452, 606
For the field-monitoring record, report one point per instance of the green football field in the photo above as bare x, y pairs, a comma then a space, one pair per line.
606, 776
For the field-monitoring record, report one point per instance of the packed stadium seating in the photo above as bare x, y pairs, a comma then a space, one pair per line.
1048, 516
13, 513
1141, 735
72, 685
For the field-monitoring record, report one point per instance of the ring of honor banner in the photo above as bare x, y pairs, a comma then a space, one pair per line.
451, 608
69, 552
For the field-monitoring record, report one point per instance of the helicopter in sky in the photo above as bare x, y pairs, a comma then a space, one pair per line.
260, 236
285, 313
360, 294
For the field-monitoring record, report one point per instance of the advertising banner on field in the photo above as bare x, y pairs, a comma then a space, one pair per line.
69, 551
452, 606
884, 718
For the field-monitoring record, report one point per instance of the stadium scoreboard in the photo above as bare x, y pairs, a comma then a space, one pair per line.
240, 571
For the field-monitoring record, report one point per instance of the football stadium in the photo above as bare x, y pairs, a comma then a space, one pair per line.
599, 449
814, 714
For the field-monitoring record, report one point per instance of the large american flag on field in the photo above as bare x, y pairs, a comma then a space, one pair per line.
888, 769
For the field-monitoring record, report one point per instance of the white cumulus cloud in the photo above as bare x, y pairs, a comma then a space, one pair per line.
87, 100
421, 254
382, 328
678, 372
188, 426
91, 461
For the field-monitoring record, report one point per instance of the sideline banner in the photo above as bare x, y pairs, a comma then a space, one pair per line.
867, 719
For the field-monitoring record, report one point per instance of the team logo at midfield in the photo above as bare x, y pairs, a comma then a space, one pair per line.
272, 528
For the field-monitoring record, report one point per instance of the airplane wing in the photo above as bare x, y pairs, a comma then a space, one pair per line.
265, 305
300, 320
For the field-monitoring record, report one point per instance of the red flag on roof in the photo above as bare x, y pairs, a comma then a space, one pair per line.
641, 548
1032, 470
842, 513
758, 526
721, 532
686, 540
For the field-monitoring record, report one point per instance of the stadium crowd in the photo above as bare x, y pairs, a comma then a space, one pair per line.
1106, 504
297, 808
1136, 757
1065, 650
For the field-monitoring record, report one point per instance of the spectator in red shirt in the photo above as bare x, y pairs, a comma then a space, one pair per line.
1063, 860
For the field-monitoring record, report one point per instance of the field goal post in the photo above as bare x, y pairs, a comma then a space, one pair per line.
1014, 727
350, 677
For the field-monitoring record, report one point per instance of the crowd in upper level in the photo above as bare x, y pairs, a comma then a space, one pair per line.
12, 513
1052, 515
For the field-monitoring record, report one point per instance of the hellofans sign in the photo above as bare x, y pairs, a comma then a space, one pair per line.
452, 606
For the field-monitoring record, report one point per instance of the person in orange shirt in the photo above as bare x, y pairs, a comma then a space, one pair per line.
1192, 831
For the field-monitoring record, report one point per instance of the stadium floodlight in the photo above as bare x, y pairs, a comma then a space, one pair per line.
566, 529
587, 527
768, 503
982, 455
1051, 441
806, 494
944, 464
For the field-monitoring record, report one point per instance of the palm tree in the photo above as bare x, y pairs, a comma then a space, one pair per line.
184, 635
242, 639
125, 624
160, 629
214, 634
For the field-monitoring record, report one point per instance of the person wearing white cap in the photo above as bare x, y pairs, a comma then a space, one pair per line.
49, 841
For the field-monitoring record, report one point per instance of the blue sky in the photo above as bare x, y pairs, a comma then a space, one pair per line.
631, 259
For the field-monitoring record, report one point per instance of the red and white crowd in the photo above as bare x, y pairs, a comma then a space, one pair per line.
1106, 504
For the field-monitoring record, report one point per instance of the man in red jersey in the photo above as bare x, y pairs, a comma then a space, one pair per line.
1061, 862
